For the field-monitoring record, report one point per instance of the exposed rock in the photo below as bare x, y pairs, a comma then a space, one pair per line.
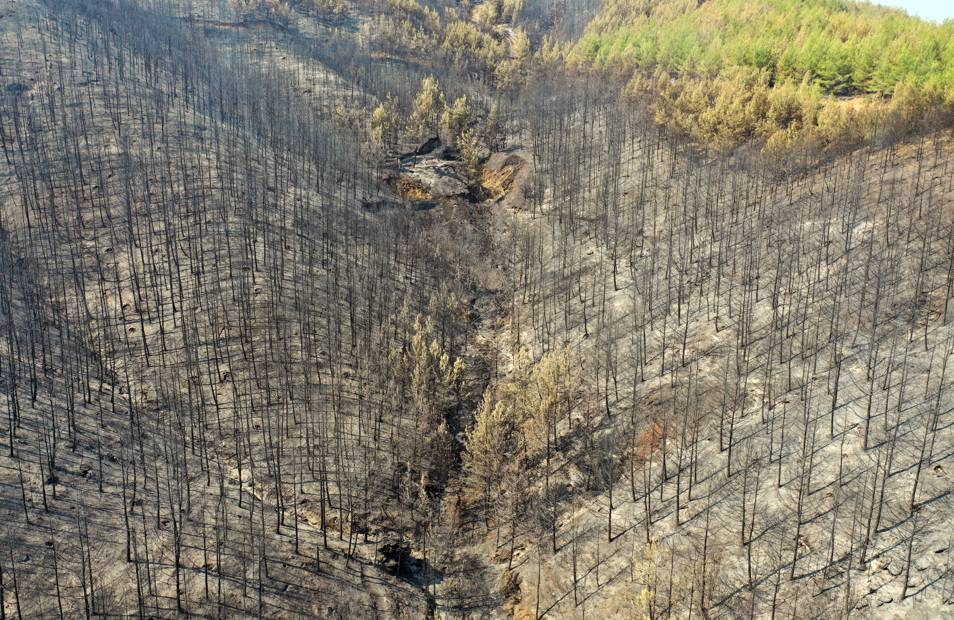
428, 178
425, 148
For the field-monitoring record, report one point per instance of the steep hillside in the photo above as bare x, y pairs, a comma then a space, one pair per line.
203, 316
750, 376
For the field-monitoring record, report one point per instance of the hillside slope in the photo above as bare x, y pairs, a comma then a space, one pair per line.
762, 367
199, 317
307, 314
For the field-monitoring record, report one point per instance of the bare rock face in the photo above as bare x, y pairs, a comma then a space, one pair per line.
438, 179
431, 173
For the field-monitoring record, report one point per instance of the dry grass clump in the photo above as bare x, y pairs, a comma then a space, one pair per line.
412, 189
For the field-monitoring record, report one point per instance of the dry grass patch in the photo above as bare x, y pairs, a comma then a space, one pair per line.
412, 189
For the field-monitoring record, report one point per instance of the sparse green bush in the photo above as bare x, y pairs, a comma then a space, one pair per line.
456, 119
427, 109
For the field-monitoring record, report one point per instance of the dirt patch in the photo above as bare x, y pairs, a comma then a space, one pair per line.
649, 441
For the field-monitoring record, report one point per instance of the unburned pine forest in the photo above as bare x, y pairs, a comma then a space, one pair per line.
451, 309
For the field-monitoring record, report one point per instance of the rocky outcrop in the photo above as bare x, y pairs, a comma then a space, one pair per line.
432, 172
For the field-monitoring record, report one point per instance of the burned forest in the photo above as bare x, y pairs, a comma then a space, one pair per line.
433, 309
